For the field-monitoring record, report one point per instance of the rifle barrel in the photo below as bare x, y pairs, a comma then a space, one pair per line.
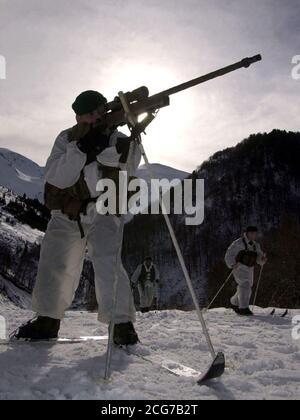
246, 62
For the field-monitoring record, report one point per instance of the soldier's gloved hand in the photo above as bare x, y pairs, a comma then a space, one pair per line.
94, 140
123, 146
264, 259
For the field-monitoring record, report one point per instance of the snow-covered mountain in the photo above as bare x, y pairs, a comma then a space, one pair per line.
22, 225
19, 249
161, 172
23, 176
20, 174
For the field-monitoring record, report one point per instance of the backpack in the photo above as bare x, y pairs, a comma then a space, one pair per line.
74, 200
247, 257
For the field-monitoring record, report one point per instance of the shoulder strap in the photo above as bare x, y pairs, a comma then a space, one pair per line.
246, 245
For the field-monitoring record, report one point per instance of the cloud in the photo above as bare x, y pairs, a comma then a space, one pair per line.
55, 49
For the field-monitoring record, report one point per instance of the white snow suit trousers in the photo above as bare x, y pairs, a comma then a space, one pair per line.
61, 261
244, 277
147, 294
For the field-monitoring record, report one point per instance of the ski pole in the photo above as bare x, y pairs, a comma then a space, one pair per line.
114, 304
157, 297
257, 287
132, 122
220, 290
115, 286
181, 260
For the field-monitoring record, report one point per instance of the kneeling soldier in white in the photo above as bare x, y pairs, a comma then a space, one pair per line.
241, 257
146, 276
81, 156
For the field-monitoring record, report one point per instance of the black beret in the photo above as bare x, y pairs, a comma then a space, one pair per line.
88, 102
251, 229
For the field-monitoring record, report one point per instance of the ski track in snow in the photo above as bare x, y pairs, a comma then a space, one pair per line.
263, 361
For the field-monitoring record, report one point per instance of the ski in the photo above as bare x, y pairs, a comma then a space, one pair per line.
215, 370
283, 315
169, 365
61, 340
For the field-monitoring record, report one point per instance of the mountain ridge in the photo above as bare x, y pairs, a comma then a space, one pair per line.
23, 176
257, 182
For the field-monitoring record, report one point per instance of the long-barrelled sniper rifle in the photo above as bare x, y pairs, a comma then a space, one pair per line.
141, 103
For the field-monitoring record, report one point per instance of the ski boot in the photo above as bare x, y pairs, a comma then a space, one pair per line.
145, 310
38, 329
234, 308
125, 335
245, 312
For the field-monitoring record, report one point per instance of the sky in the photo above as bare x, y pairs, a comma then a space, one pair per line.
55, 49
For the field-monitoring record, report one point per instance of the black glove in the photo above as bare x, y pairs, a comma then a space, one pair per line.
123, 146
95, 141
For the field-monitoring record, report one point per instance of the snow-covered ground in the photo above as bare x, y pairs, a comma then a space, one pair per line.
263, 361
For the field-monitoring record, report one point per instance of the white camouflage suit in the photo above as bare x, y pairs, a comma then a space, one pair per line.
149, 291
244, 275
63, 250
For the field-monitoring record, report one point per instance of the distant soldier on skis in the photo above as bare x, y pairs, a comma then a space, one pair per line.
146, 277
241, 257
81, 156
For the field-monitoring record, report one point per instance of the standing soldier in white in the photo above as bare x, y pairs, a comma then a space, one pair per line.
81, 156
146, 277
241, 257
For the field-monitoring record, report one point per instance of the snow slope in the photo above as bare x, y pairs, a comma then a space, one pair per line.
161, 172
15, 294
263, 361
20, 174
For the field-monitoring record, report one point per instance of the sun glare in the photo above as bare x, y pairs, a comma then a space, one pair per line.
166, 133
